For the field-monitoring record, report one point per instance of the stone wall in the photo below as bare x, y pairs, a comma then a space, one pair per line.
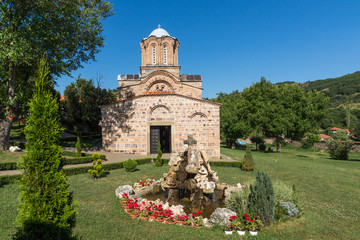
126, 125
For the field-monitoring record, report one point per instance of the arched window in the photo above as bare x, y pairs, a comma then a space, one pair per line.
153, 54
165, 55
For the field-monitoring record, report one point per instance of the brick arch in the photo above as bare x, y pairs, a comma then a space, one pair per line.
153, 108
198, 114
163, 116
160, 81
160, 73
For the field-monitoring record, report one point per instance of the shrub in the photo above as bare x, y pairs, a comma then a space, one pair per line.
283, 192
238, 201
258, 139
97, 169
44, 196
159, 161
290, 209
262, 147
248, 163
78, 147
130, 165
310, 140
262, 198
95, 156
339, 150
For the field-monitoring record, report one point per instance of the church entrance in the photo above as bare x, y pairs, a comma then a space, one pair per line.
162, 134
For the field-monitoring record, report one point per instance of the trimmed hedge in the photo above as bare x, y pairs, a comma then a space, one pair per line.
225, 164
9, 179
8, 166
73, 154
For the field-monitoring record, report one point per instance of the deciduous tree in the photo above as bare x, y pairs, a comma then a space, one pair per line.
68, 32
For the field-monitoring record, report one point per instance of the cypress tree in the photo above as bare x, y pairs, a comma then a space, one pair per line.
78, 147
262, 198
248, 163
46, 208
159, 161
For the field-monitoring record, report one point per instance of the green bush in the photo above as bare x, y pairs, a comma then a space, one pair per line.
8, 166
283, 192
310, 140
339, 149
262, 147
159, 161
225, 164
262, 198
9, 179
74, 154
78, 147
76, 160
130, 165
97, 169
238, 201
248, 163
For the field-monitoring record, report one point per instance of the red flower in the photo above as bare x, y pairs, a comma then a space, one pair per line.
199, 212
233, 217
258, 215
246, 219
245, 215
251, 220
231, 225
253, 216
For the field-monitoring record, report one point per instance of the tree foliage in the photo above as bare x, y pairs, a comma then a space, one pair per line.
262, 198
69, 33
82, 101
159, 160
44, 198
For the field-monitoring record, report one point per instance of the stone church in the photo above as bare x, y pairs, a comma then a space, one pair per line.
160, 104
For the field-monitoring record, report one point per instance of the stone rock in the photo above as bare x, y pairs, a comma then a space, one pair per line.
14, 149
124, 189
191, 168
206, 222
174, 159
148, 190
177, 210
221, 216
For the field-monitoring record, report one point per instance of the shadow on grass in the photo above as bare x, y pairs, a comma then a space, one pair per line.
304, 156
43, 231
342, 160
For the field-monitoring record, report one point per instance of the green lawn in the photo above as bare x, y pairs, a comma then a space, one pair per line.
6, 156
329, 191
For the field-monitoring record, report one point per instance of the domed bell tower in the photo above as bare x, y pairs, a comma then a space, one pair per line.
159, 51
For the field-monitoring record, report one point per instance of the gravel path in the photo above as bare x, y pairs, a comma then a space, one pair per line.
111, 157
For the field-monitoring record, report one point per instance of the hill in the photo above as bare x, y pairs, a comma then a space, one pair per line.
344, 94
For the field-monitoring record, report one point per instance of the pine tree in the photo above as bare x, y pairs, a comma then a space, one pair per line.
159, 161
262, 198
46, 208
248, 163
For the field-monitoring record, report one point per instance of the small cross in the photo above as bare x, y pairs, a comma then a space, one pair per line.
190, 140
159, 26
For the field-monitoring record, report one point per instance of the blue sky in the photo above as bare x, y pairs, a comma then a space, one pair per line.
233, 43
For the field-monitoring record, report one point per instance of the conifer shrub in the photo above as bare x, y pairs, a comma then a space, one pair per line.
248, 163
159, 162
46, 208
130, 165
262, 198
97, 169
78, 147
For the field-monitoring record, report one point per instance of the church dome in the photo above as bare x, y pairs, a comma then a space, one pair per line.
159, 32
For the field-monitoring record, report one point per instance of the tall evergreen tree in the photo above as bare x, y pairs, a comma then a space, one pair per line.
262, 198
46, 209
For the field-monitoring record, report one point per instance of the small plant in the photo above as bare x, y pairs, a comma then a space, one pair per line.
78, 147
339, 149
159, 162
229, 227
248, 163
130, 165
290, 209
262, 198
97, 169
253, 224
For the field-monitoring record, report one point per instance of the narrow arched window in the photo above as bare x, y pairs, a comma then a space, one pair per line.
153, 54
165, 55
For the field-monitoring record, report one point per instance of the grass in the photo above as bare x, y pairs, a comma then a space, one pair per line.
328, 190
7, 156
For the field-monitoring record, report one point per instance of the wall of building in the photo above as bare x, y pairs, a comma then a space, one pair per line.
126, 125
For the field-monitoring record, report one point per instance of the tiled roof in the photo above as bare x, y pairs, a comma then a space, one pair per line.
347, 131
170, 93
128, 77
190, 78
334, 129
324, 136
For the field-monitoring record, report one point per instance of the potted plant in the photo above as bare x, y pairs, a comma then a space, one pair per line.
188, 222
254, 225
170, 220
198, 220
240, 227
228, 229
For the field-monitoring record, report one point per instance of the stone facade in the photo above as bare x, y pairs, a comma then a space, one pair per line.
160, 97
